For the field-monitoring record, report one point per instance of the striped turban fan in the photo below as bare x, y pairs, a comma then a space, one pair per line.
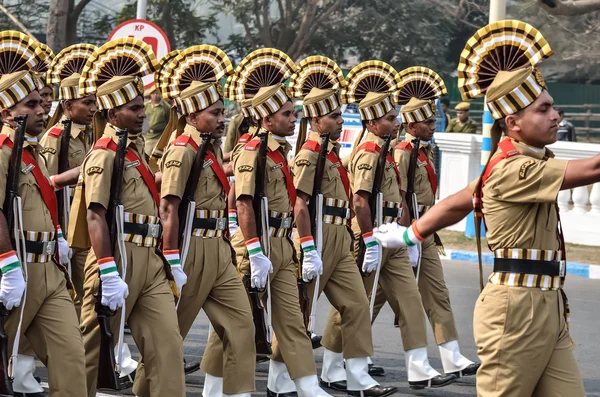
41, 69
500, 61
260, 77
162, 64
192, 77
420, 87
371, 84
66, 68
19, 55
114, 72
318, 80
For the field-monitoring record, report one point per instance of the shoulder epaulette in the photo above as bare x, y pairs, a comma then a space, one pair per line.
184, 140
4, 139
371, 147
404, 146
244, 138
55, 132
312, 146
103, 143
252, 145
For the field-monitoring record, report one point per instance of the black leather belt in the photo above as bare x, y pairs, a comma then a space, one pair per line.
40, 247
392, 212
143, 229
526, 266
341, 212
210, 223
281, 223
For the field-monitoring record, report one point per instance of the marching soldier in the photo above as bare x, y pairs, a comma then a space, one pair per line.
40, 70
48, 313
521, 317
337, 272
212, 281
371, 83
420, 86
140, 282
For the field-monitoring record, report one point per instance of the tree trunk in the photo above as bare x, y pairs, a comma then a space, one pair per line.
570, 7
56, 31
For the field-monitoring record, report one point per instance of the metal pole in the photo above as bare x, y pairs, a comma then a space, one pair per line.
142, 6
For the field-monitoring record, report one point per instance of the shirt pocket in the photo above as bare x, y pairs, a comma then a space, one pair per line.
133, 182
29, 192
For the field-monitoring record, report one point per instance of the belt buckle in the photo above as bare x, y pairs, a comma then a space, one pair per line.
153, 230
48, 247
400, 212
562, 271
286, 223
348, 213
222, 223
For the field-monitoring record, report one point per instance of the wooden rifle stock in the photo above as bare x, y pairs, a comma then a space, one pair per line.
410, 189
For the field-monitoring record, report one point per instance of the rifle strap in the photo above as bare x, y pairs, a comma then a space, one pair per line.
277, 157
333, 158
374, 148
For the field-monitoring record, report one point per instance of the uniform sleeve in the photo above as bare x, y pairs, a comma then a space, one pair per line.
4, 162
176, 166
97, 175
402, 161
245, 173
525, 180
364, 171
51, 151
471, 128
450, 126
304, 167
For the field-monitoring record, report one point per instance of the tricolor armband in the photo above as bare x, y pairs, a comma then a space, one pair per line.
9, 261
308, 244
59, 233
232, 216
55, 185
107, 266
253, 246
173, 257
369, 240
411, 236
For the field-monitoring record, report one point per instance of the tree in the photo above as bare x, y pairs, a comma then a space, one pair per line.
63, 16
570, 7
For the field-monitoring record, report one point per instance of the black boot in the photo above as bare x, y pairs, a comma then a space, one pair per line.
17, 394
316, 341
469, 371
191, 367
339, 385
375, 391
376, 371
289, 394
438, 381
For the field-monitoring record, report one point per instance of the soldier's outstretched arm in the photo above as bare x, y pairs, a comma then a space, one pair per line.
98, 229
169, 217
246, 217
582, 173
67, 178
360, 202
302, 215
5, 245
447, 212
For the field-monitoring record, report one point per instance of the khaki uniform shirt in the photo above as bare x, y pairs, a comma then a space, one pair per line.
239, 146
233, 132
425, 195
97, 172
36, 216
158, 117
80, 144
519, 200
275, 184
469, 127
176, 165
304, 166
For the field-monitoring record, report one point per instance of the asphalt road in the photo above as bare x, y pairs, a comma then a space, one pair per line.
462, 281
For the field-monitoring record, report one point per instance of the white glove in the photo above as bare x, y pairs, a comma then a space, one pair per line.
65, 253
12, 284
114, 289
312, 266
174, 260
371, 259
233, 223
392, 235
413, 255
260, 265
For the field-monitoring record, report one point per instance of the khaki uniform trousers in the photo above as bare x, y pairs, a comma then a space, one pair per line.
213, 285
288, 325
434, 294
149, 144
397, 281
78, 275
524, 344
51, 328
151, 315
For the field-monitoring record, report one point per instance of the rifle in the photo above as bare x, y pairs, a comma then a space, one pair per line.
11, 202
315, 211
187, 207
108, 377
63, 196
262, 323
411, 195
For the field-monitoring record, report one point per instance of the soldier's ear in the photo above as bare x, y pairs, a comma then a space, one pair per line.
67, 104
512, 123
111, 115
7, 114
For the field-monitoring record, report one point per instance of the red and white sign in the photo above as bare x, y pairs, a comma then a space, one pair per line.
149, 33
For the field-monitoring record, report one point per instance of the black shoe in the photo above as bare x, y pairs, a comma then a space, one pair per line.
261, 358
375, 391
17, 394
127, 381
290, 394
376, 371
469, 371
438, 381
190, 368
339, 385
316, 341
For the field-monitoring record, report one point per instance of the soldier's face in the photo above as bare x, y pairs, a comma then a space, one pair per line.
424, 129
463, 115
386, 125
537, 124
30, 106
46, 94
82, 110
283, 122
129, 116
211, 120
330, 123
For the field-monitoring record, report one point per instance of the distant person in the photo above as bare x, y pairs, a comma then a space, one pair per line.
566, 130
462, 123
445, 102
157, 113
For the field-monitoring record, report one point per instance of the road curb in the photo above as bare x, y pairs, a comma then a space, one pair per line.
574, 268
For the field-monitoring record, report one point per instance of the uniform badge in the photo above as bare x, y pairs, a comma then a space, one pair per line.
207, 164
173, 163
246, 168
50, 150
277, 167
524, 167
94, 170
27, 169
303, 162
421, 163
335, 165
133, 164
365, 166
249, 147
76, 152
